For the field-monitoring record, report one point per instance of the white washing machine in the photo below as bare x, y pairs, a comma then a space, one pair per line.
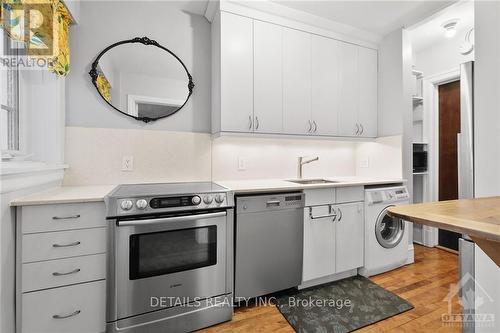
386, 237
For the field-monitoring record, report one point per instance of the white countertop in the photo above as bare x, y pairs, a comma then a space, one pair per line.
96, 193
65, 194
268, 185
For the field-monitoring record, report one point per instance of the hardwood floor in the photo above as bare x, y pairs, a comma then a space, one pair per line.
425, 284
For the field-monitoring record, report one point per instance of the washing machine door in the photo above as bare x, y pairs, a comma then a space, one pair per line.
389, 230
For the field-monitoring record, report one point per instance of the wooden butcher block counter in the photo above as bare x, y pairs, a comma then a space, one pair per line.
478, 218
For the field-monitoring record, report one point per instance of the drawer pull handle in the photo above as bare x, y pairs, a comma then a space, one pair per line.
67, 273
67, 245
66, 217
77, 312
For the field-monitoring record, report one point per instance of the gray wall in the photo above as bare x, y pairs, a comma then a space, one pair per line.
105, 22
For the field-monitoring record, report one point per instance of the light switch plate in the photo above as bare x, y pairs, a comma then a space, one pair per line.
128, 163
242, 164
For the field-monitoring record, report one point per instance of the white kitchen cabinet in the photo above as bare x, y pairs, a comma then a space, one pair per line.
325, 90
268, 84
367, 83
296, 82
348, 90
236, 73
269, 78
61, 267
333, 234
319, 247
349, 236
358, 91
77, 308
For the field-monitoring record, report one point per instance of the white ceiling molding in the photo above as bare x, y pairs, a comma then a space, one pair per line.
212, 7
282, 15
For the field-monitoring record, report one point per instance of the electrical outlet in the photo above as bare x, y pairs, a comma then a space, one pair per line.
364, 162
127, 163
242, 164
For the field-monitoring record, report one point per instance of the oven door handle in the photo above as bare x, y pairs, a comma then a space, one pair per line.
169, 219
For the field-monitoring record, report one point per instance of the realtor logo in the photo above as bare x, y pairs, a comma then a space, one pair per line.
32, 23
471, 298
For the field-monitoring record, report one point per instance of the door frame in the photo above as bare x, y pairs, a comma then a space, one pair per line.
431, 128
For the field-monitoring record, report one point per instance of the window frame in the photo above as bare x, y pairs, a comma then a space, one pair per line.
21, 152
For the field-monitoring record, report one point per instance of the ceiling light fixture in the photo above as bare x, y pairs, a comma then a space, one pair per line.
450, 28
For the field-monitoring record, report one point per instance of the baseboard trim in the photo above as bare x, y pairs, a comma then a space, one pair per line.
328, 278
447, 249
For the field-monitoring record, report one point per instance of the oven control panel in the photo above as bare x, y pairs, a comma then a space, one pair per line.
173, 203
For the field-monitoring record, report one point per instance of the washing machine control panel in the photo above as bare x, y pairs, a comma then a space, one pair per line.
397, 194
388, 195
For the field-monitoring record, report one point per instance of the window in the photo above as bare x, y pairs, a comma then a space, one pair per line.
9, 109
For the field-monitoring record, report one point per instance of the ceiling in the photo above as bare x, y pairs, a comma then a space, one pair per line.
379, 17
430, 32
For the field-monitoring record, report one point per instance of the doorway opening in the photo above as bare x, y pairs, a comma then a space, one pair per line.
449, 127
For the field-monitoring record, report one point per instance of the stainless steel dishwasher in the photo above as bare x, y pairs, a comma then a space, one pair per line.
269, 238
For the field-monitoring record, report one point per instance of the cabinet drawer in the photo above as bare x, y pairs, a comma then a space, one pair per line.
63, 244
61, 272
45, 218
320, 196
350, 194
83, 306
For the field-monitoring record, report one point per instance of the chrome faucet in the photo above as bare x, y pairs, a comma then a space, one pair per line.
301, 162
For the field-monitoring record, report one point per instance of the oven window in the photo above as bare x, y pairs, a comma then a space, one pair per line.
173, 251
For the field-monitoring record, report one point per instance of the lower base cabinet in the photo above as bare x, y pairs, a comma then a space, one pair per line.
61, 268
349, 236
333, 239
76, 309
319, 245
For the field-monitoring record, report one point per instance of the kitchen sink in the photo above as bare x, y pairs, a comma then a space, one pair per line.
312, 181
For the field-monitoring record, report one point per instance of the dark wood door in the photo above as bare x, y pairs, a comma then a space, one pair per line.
449, 127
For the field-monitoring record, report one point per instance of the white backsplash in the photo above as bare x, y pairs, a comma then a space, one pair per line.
94, 156
277, 158
381, 158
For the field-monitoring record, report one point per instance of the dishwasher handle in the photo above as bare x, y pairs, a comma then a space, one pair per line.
273, 203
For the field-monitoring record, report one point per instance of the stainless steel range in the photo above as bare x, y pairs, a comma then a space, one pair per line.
170, 257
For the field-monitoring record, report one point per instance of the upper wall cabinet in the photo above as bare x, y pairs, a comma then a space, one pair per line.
325, 89
236, 74
268, 78
367, 86
296, 82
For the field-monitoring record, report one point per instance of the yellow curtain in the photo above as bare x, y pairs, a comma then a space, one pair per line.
55, 35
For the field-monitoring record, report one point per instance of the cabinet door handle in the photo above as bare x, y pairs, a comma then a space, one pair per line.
315, 126
340, 213
310, 127
357, 129
334, 215
250, 123
77, 312
362, 129
256, 123
66, 217
67, 245
67, 273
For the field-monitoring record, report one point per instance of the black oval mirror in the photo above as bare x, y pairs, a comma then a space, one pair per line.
142, 79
